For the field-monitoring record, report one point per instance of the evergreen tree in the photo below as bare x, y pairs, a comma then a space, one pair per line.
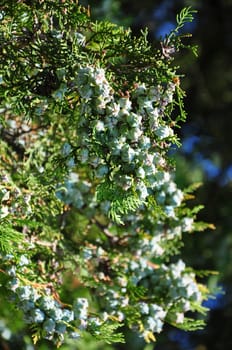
91, 217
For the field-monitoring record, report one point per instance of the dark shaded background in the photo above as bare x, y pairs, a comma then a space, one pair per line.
207, 143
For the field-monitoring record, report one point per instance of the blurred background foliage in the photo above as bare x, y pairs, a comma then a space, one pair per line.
204, 157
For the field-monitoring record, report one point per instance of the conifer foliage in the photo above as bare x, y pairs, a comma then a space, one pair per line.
91, 219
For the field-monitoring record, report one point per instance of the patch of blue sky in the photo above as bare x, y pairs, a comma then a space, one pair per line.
161, 11
210, 168
182, 338
189, 27
218, 301
189, 143
227, 176
164, 29
215, 304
